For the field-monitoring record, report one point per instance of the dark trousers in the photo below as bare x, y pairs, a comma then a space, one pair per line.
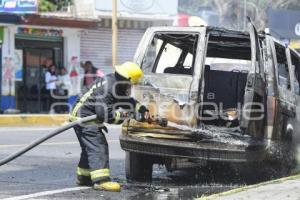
50, 99
94, 160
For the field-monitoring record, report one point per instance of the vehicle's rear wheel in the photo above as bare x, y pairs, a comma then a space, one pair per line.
138, 167
280, 162
287, 158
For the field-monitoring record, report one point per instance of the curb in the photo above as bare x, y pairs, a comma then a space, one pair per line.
241, 189
25, 120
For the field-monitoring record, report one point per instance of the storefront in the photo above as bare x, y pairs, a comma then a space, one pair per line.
28, 51
35, 42
35, 50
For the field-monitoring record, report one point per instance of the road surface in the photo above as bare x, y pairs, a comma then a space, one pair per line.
48, 172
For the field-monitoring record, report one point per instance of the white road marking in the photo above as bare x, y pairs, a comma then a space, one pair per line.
46, 193
47, 144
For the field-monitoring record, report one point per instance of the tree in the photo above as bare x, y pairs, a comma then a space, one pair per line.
53, 5
46, 6
232, 12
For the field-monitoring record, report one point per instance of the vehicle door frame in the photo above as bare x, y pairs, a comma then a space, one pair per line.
255, 87
272, 90
285, 104
295, 121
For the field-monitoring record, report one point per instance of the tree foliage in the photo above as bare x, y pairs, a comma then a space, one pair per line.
53, 5
46, 6
232, 12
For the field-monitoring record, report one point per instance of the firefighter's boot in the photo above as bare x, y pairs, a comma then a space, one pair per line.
84, 181
108, 186
83, 177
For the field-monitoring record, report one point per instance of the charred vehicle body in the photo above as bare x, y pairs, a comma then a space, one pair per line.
228, 96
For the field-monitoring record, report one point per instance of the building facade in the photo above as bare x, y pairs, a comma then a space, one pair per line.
27, 50
32, 42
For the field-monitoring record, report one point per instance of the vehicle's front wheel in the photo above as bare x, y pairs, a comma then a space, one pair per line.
138, 167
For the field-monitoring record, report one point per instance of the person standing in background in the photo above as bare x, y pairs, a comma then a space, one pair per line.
50, 79
91, 73
64, 79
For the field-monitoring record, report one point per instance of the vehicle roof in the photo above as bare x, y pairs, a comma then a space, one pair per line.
197, 28
217, 31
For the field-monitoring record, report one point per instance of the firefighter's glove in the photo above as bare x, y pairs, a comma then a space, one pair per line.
144, 114
119, 116
103, 129
142, 110
121, 113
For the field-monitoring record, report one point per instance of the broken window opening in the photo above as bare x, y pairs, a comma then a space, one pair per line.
171, 54
227, 64
282, 67
296, 67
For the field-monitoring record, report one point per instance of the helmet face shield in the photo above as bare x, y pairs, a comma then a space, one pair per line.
130, 70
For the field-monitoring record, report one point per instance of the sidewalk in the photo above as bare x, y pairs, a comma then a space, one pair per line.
284, 188
29, 120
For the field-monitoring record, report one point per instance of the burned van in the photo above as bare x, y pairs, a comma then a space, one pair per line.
227, 96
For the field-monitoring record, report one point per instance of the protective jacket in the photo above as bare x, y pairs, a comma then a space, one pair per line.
104, 98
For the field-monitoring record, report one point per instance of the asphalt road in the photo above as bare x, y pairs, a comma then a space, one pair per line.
48, 172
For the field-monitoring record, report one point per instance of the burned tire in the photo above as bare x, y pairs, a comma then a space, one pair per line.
280, 163
138, 167
287, 160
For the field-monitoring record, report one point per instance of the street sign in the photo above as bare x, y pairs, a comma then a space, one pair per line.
284, 23
165, 7
19, 6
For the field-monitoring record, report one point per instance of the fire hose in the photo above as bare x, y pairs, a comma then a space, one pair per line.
44, 138
160, 121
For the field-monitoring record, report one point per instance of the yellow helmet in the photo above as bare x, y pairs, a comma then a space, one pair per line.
130, 70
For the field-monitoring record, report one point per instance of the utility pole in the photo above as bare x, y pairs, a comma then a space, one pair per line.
114, 27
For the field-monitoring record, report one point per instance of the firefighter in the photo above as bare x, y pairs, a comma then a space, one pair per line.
108, 97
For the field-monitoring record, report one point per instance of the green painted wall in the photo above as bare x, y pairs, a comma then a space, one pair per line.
1, 34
